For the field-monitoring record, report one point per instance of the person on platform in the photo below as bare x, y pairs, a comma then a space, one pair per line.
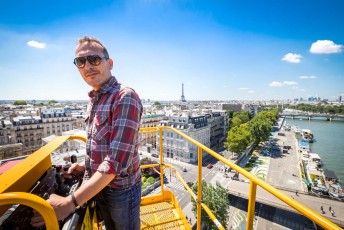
112, 161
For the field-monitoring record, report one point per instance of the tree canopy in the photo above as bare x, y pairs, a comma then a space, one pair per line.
245, 132
238, 139
216, 199
52, 102
20, 102
239, 118
230, 114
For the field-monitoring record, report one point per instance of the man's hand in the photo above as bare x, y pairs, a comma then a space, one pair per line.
63, 207
76, 168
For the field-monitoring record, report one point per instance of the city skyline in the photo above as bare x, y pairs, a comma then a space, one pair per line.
226, 50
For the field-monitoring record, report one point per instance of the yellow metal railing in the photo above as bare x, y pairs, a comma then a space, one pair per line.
254, 182
9, 194
35, 202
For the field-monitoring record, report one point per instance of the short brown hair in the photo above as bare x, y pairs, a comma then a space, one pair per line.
88, 39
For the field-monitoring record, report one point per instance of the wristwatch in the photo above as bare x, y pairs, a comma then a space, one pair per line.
77, 206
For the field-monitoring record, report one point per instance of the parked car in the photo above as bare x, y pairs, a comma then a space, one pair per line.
189, 183
209, 166
155, 155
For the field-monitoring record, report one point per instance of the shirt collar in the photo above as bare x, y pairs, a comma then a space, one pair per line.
105, 88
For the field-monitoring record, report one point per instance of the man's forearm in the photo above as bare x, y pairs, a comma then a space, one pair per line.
92, 187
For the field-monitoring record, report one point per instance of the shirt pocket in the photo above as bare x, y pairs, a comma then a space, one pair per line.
101, 126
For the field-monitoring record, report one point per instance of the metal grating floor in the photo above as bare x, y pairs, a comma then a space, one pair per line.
162, 215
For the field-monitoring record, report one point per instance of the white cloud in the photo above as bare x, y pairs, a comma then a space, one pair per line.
284, 83
308, 77
251, 91
325, 47
243, 88
35, 44
276, 84
292, 58
289, 83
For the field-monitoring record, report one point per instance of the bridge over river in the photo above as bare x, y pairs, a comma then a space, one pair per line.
309, 116
241, 189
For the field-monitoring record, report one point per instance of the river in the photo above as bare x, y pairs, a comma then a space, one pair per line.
329, 142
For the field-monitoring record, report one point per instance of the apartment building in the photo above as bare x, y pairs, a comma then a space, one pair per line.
150, 120
217, 130
175, 146
22, 135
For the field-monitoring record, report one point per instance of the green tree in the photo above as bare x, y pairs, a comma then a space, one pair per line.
52, 102
238, 139
230, 114
39, 105
216, 199
239, 118
260, 126
20, 102
236, 121
158, 105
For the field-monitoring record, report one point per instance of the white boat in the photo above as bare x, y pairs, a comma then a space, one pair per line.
304, 155
336, 191
307, 135
313, 157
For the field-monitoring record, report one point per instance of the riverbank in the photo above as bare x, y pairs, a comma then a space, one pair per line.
328, 143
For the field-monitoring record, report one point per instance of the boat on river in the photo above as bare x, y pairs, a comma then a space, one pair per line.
307, 135
313, 157
336, 191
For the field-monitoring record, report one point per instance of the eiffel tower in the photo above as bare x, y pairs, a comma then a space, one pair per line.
182, 98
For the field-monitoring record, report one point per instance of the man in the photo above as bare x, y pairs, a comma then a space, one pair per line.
112, 162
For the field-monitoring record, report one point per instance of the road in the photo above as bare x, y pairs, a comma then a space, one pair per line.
284, 166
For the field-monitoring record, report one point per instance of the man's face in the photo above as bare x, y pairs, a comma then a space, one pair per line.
93, 75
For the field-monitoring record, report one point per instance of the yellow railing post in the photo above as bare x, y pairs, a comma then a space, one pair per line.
161, 154
162, 170
199, 189
35, 202
251, 205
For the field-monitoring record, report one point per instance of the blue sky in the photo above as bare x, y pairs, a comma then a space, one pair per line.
220, 50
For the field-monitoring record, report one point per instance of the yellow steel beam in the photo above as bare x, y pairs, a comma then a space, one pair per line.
22, 176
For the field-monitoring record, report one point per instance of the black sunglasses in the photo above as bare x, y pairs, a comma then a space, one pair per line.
92, 59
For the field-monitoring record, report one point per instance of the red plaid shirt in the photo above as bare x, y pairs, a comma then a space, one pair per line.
113, 123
